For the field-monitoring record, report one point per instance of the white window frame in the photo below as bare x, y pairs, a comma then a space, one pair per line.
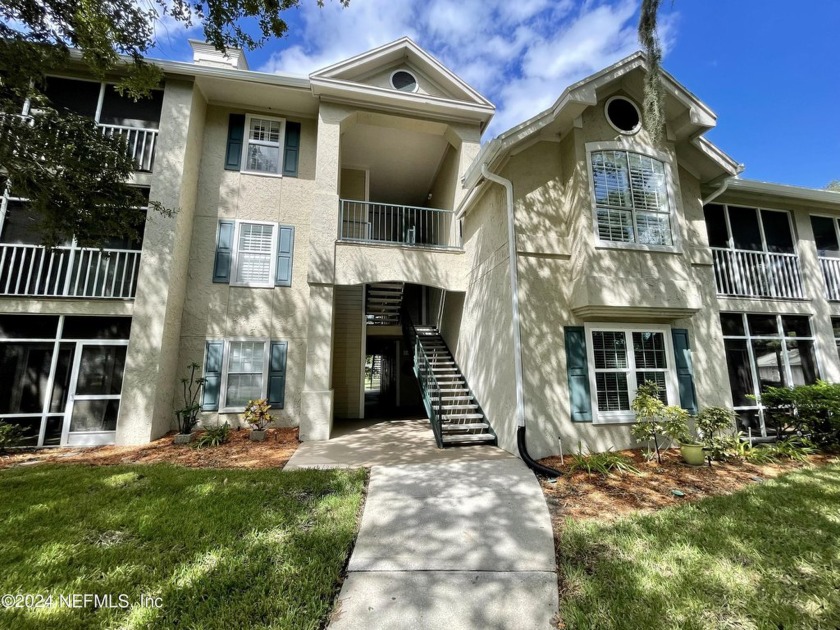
246, 141
631, 145
234, 263
223, 406
619, 97
671, 386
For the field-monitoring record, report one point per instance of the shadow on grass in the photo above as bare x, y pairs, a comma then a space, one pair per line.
221, 548
764, 557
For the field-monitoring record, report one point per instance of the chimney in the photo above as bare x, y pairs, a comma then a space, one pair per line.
205, 54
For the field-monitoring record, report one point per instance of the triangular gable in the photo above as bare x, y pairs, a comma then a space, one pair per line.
363, 71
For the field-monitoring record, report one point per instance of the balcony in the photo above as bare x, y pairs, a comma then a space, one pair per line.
67, 272
140, 143
757, 274
391, 224
831, 275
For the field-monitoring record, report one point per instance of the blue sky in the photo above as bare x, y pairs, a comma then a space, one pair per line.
769, 72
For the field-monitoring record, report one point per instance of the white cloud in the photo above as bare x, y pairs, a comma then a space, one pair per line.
520, 54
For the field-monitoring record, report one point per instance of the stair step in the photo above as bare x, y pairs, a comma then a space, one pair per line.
462, 416
468, 437
451, 407
450, 399
462, 392
470, 426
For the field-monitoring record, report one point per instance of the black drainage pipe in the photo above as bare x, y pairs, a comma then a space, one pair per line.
533, 465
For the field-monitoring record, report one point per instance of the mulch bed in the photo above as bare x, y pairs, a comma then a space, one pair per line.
239, 452
594, 496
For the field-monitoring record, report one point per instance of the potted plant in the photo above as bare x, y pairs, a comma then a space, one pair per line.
256, 414
715, 429
187, 415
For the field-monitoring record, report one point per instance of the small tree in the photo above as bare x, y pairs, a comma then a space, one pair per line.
649, 410
714, 428
192, 388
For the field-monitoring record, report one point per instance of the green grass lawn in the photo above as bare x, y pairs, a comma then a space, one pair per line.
221, 548
765, 557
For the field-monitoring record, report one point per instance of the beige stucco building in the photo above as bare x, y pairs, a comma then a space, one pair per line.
345, 246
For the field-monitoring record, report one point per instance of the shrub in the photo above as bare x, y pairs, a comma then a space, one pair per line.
256, 414
10, 436
188, 415
806, 410
655, 419
796, 449
604, 463
214, 436
714, 427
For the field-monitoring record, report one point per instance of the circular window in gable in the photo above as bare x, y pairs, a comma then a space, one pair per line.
404, 81
623, 115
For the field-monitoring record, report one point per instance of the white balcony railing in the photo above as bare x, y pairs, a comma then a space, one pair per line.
369, 222
32, 270
747, 273
831, 275
141, 143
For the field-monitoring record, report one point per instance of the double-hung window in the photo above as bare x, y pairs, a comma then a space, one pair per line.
631, 199
261, 150
254, 256
244, 372
622, 357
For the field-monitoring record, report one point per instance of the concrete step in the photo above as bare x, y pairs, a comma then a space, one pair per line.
454, 407
468, 437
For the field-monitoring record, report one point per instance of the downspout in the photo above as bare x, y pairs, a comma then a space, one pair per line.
717, 192
517, 336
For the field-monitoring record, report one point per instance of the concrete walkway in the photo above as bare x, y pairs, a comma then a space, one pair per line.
464, 543
366, 443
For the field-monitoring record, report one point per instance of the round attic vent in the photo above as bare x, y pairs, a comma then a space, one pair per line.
623, 115
404, 81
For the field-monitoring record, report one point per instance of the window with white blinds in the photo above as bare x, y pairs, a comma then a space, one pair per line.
623, 357
631, 198
254, 257
244, 372
262, 146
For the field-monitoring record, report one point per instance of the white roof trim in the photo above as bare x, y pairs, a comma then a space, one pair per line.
783, 190
584, 92
413, 52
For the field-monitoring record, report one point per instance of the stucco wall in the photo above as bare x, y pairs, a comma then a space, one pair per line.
151, 361
216, 310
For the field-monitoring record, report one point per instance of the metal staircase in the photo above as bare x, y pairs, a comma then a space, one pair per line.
383, 302
456, 416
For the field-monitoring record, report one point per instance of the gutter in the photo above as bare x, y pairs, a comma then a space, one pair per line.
717, 192
517, 335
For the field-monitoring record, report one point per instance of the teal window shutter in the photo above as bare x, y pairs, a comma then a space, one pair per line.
685, 370
236, 136
224, 252
578, 373
292, 149
285, 253
212, 375
277, 374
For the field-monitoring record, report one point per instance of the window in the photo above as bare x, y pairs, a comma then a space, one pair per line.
749, 229
262, 146
622, 357
631, 199
766, 350
239, 370
244, 373
404, 81
254, 254
623, 115
835, 324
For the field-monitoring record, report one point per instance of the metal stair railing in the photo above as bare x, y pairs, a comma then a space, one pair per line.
429, 385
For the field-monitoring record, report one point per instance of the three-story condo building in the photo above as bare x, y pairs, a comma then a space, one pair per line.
350, 228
